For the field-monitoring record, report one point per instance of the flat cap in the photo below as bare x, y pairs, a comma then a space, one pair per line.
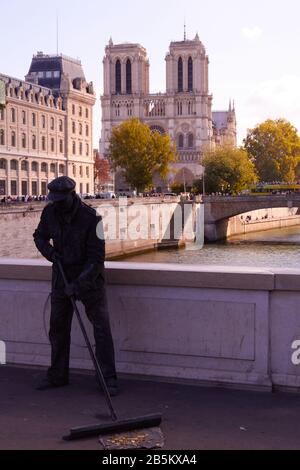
60, 188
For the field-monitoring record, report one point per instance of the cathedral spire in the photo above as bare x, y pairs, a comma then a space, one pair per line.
184, 30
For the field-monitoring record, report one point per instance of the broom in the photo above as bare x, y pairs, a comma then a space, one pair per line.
116, 426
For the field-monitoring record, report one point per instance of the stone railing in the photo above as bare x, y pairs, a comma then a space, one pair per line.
226, 326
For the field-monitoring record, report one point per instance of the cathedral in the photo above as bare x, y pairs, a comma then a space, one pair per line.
184, 111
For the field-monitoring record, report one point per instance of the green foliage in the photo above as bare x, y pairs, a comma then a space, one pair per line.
228, 170
140, 153
274, 147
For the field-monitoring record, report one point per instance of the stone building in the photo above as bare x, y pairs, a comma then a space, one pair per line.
46, 127
184, 111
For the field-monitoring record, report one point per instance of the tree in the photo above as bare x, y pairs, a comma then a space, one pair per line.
274, 147
140, 153
101, 170
228, 170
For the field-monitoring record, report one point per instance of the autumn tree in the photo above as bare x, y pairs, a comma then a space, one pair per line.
140, 153
228, 170
101, 170
274, 147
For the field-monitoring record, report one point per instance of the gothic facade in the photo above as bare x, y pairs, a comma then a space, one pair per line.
184, 111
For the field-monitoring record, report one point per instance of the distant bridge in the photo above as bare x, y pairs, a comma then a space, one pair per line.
218, 210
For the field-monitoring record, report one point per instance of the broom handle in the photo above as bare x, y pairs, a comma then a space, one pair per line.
90, 348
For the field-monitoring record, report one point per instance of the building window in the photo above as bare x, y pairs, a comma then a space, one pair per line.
87, 170
43, 143
73, 127
118, 77
87, 130
13, 139
23, 117
2, 164
86, 113
33, 119
180, 75
81, 188
44, 122
34, 188
44, 188
80, 171
24, 165
128, 78
14, 165
60, 125
87, 150
44, 167
1, 114
52, 145
73, 108
2, 137
61, 146
34, 142
179, 108
52, 124
80, 111
2, 187
180, 141
23, 141
52, 168
87, 188
13, 187
80, 148
62, 169
74, 148
190, 74
80, 129
13, 115
34, 167
190, 141
24, 188
74, 170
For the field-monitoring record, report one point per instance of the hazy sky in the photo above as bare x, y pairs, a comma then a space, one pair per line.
254, 46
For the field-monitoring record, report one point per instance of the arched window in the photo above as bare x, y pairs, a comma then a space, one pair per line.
61, 146
74, 148
62, 169
13, 115
128, 77
190, 141
43, 142
80, 148
52, 124
34, 142
14, 165
44, 167
180, 141
190, 74
80, 129
87, 150
52, 145
73, 127
13, 139
60, 125
23, 141
33, 119
2, 164
118, 77
87, 130
2, 137
180, 75
34, 167
23, 117
52, 168
43, 121
24, 165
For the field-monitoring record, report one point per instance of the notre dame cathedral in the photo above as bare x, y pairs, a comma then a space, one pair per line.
184, 111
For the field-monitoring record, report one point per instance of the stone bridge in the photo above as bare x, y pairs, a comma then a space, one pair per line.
218, 210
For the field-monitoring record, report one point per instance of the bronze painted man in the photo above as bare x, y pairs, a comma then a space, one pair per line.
72, 227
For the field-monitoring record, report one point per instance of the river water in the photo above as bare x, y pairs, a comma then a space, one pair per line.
278, 248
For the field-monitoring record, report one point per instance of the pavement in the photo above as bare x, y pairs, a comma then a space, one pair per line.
194, 418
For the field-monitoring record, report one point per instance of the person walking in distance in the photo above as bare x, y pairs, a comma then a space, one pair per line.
75, 230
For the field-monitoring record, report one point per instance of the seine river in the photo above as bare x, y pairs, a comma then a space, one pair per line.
274, 248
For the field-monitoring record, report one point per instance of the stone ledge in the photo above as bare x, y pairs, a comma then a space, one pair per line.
162, 275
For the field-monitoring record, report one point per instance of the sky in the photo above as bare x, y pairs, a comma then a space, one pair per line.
253, 46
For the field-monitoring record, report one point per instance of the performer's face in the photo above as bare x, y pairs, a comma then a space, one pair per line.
65, 205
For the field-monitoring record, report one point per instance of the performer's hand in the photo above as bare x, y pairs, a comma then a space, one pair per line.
70, 290
56, 257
